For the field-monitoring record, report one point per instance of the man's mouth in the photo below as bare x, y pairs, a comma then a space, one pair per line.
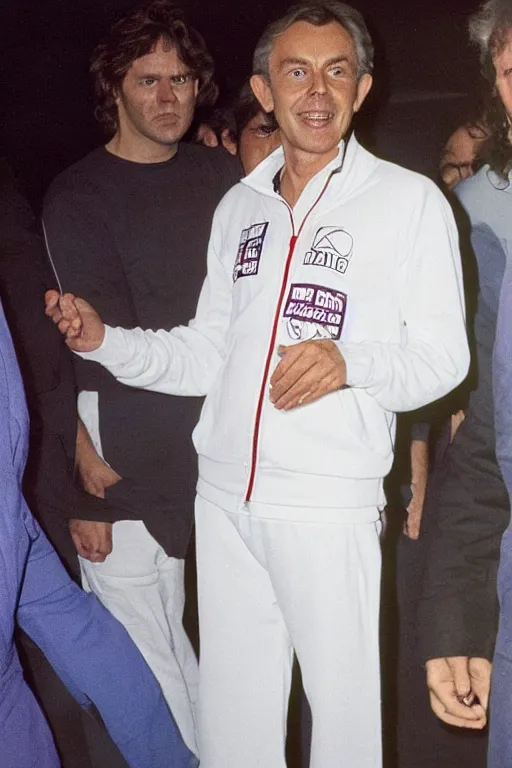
315, 118
167, 116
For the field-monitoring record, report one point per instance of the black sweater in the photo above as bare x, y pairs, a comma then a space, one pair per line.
131, 239
47, 369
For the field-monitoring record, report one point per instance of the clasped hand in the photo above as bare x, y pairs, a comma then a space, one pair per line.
459, 690
306, 372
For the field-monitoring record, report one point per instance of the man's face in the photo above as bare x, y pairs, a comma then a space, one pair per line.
157, 98
313, 88
458, 154
257, 140
503, 66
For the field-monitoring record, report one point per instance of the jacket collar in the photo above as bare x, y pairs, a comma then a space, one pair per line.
261, 179
498, 182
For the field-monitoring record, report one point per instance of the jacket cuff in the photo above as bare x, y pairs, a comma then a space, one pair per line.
359, 363
105, 353
457, 626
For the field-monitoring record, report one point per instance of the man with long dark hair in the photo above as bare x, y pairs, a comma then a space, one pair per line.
127, 228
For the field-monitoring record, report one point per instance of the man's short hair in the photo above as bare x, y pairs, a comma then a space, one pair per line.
488, 30
318, 13
136, 35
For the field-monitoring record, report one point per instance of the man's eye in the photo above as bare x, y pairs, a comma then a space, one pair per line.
297, 74
180, 79
263, 131
148, 81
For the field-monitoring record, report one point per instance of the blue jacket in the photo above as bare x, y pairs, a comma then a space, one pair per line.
24, 736
500, 748
87, 647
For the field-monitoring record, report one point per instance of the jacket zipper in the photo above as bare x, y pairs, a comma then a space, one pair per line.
284, 282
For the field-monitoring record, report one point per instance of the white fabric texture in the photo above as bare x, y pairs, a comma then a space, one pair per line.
144, 589
267, 587
375, 266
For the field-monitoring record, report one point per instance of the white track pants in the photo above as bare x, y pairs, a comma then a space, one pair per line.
266, 587
144, 589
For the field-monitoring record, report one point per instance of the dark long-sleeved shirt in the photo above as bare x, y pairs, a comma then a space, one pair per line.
48, 376
458, 615
131, 238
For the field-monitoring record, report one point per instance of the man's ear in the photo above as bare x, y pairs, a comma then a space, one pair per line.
261, 89
116, 95
363, 89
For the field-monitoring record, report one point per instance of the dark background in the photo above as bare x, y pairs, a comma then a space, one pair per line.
426, 75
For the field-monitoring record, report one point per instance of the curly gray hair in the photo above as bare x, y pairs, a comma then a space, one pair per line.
488, 29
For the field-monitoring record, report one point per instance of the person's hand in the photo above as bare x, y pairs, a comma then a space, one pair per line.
419, 479
92, 540
455, 422
96, 475
78, 322
412, 523
306, 372
459, 690
206, 135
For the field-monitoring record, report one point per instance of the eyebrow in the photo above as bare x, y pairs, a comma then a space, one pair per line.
302, 62
155, 76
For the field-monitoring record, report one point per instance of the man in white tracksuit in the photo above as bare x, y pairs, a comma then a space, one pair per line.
333, 299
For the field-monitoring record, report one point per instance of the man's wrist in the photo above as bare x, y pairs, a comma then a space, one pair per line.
358, 364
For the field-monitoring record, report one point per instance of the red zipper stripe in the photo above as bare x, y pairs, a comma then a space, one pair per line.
284, 283
259, 409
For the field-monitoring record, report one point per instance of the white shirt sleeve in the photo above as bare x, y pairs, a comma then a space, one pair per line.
432, 357
185, 360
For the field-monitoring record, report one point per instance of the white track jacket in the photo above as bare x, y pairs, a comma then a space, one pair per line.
369, 258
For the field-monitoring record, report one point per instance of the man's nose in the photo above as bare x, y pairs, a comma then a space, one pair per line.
166, 91
318, 82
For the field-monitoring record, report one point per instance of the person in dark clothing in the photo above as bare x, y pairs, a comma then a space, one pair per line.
128, 228
500, 746
458, 615
48, 376
89, 650
49, 483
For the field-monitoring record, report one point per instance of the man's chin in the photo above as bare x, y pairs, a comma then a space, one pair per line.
167, 138
320, 146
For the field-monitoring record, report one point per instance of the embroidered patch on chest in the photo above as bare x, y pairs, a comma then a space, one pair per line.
249, 251
314, 312
332, 248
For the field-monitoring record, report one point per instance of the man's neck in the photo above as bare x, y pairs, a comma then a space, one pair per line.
299, 168
140, 151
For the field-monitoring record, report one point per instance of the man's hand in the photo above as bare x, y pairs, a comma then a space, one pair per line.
459, 690
455, 422
96, 475
206, 135
419, 479
78, 322
307, 372
92, 540
412, 523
